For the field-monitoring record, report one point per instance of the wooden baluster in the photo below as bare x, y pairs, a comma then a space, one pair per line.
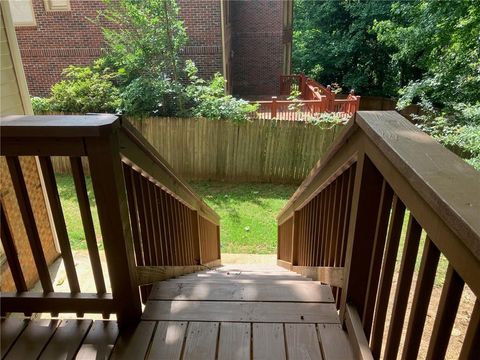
167, 226
109, 187
376, 263
139, 199
295, 238
366, 201
196, 237
405, 276
385, 283
446, 313
471, 342
160, 225
87, 221
11, 253
59, 222
29, 223
145, 186
421, 299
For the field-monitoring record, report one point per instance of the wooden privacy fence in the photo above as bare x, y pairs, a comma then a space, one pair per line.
261, 150
153, 226
345, 227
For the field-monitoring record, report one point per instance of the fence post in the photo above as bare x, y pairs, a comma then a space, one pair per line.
274, 107
109, 187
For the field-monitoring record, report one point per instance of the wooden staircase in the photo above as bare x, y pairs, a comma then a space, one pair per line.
231, 312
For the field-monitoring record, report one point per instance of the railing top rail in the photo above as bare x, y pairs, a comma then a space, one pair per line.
441, 178
57, 125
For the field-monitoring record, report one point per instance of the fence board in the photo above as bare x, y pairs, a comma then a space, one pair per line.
262, 150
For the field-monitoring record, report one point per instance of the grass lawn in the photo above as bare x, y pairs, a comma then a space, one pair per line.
71, 211
247, 212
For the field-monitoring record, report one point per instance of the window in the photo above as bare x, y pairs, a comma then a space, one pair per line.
22, 12
57, 5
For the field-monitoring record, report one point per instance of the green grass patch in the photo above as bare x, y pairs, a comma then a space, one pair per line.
71, 211
248, 213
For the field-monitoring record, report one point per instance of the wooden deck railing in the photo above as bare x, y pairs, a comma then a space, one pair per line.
315, 99
153, 226
383, 191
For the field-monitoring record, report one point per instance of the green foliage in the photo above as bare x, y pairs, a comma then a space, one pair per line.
40, 105
327, 120
84, 89
209, 99
333, 41
145, 44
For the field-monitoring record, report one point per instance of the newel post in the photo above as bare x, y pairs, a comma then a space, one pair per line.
109, 188
367, 193
274, 107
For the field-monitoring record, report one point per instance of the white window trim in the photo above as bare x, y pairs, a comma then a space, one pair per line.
30, 23
50, 7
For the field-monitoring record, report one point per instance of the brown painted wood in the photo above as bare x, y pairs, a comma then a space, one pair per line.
45, 146
10, 330
167, 342
356, 334
240, 311
446, 313
234, 341
361, 233
334, 342
133, 342
67, 339
428, 165
32, 340
109, 187
385, 283
152, 274
11, 253
99, 342
87, 221
421, 299
377, 256
58, 218
268, 342
201, 341
302, 342
196, 238
471, 342
28, 219
405, 275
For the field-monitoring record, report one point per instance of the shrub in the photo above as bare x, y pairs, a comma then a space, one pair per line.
85, 89
40, 105
210, 101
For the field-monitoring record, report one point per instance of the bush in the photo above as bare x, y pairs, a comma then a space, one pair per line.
209, 99
85, 89
40, 105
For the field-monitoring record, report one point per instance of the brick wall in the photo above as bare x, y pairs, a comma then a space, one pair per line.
257, 45
65, 38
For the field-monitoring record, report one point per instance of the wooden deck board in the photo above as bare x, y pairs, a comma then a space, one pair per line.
33, 339
234, 342
201, 342
302, 342
283, 312
99, 342
268, 342
311, 292
10, 330
334, 342
67, 339
133, 343
167, 342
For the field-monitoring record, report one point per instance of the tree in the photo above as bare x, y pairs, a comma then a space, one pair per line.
145, 39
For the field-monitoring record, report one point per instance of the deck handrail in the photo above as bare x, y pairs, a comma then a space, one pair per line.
153, 224
344, 223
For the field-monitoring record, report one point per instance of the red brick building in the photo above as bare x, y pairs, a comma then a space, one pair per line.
249, 42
